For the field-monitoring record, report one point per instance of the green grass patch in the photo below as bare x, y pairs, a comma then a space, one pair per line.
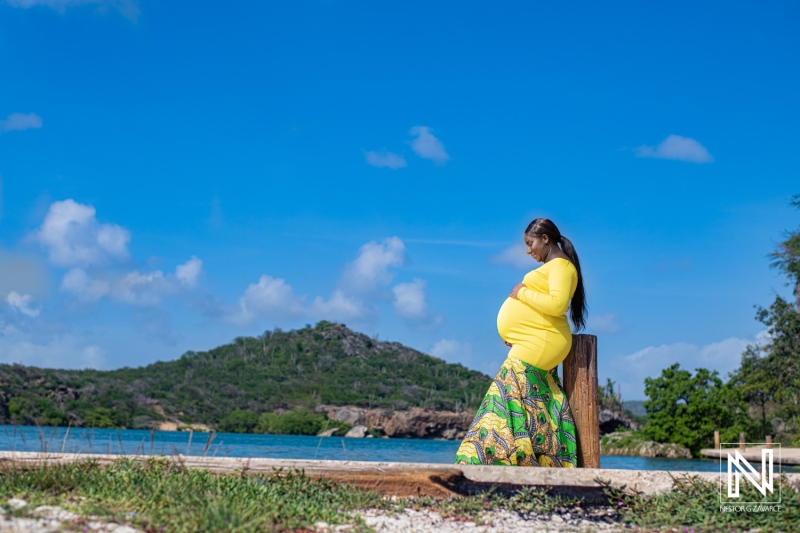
161, 495
526, 501
694, 504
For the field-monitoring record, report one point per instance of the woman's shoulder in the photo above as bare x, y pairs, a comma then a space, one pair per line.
561, 263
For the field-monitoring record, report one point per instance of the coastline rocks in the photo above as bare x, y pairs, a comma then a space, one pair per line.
629, 444
416, 423
611, 421
347, 414
357, 432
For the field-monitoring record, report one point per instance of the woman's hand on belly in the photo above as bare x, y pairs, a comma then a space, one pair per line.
515, 290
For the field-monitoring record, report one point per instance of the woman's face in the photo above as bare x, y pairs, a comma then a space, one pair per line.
537, 246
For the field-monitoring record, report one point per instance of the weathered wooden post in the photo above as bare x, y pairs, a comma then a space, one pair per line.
580, 384
769, 441
741, 441
716, 440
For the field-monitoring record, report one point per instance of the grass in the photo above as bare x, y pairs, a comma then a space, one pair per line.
159, 494
526, 501
693, 505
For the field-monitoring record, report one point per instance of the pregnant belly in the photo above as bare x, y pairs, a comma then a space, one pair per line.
540, 340
516, 321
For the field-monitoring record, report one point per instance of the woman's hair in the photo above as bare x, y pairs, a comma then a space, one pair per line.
543, 226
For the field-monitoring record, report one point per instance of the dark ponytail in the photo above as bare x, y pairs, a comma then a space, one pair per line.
578, 307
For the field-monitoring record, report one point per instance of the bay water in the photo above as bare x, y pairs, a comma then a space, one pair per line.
147, 442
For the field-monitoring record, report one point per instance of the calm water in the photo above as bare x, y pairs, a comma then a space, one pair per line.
132, 441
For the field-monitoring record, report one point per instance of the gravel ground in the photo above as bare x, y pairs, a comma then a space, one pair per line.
411, 521
51, 519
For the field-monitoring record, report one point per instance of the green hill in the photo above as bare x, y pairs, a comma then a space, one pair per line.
250, 377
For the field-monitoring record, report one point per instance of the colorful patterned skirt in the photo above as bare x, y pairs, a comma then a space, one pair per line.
524, 420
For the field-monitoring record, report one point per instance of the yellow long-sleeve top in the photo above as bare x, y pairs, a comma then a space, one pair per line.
536, 323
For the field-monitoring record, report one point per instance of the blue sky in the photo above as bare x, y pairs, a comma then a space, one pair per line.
176, 175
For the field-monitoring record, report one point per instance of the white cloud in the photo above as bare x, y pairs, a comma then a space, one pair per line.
339, 307
274, 298
452, 350
630, 370
679, 148
61, 351
385, 160
270, 298
371, 268
763, 337
20, 122
427, 146
127, 8
188, 272
514, 255
409, 302
73, 236
78, 282
605, 323
22, 303
136, 288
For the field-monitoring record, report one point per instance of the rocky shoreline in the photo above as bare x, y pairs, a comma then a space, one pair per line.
414, 423
629, 443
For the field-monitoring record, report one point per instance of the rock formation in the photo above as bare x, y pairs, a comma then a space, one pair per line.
357, 432
613, 420
414, 423
630, 444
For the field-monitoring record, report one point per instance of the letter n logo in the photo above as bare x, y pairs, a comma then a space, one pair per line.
739, 463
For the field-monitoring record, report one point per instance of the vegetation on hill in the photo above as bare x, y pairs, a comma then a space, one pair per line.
234, 386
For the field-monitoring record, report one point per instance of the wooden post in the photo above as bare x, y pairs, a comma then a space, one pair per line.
716, 440
769, 441
741, 441
580, 385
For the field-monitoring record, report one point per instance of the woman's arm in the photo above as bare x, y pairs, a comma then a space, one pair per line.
561, 281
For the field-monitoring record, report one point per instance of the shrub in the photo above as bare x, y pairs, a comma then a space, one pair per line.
295, 422
239, 421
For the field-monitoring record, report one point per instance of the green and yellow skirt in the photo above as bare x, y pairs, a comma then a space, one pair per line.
524, 420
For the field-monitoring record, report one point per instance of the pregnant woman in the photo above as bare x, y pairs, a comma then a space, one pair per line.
525, 419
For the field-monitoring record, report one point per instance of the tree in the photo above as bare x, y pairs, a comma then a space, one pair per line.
686, 409
239, 421
296, 422
757, 384
772, 371
607, 396
787, 257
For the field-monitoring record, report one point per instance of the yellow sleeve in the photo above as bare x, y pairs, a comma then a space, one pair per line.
561, 280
